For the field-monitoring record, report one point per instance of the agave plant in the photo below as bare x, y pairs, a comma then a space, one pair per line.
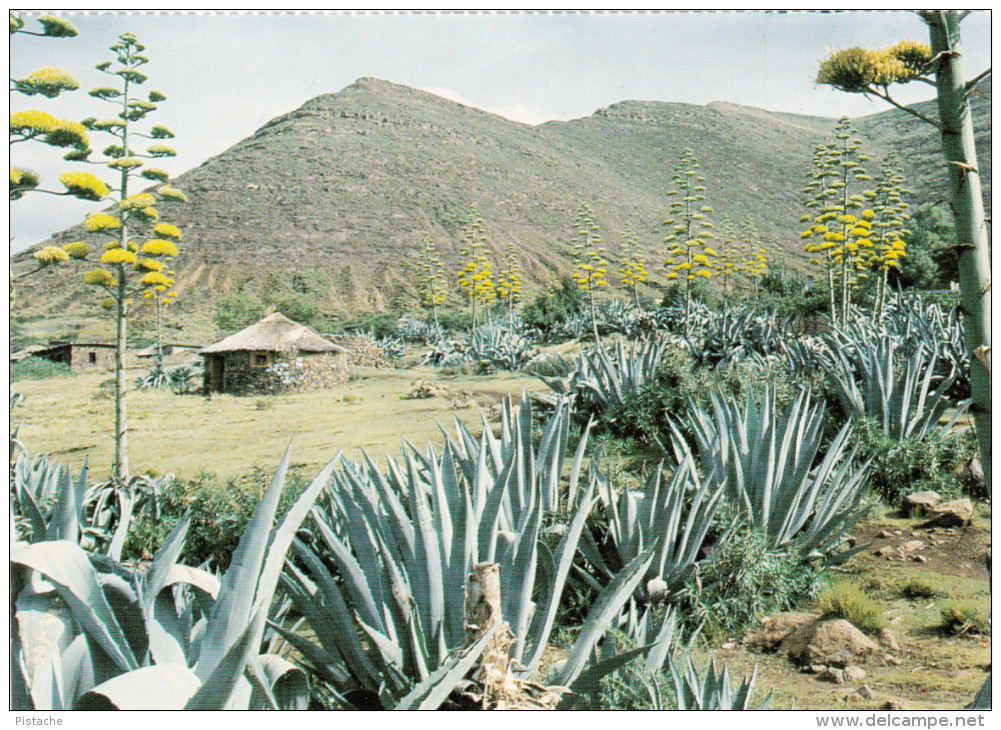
669, 677
498, 347
95, 634
912, 321
656, 517
870, 383
619, 316
766, 461
725, 337
414, 330
601, 380
711, 690
403, 543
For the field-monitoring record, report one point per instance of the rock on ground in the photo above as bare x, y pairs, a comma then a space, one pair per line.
832, 641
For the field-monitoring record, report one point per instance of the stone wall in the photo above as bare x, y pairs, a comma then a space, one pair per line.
362, 350
289, 374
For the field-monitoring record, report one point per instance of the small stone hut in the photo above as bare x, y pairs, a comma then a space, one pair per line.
275, 355
80, 355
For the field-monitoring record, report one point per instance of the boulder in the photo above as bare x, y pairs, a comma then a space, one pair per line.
887, 639
956, 513
920, 503
833, 675
865, 692
854, 674
831, 641
912, 546
770, 633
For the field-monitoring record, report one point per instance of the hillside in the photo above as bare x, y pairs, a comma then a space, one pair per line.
342, 188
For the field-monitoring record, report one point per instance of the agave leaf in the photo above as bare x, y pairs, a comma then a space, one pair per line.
287, 682
230, 614
126, 503
607, 605
321, 662
67, 567
159, 687
563, 559
428, 579
167, 633
430, 693
63, 522
352, 576
590, 677
219, 687
334, 619
78, 669
43, 627
166, 558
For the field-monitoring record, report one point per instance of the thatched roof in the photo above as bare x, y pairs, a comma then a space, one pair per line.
274, 333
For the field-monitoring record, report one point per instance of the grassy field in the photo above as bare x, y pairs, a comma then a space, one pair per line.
72, 418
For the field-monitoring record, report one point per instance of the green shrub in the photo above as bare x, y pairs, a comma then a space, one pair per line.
917, 588
237, 309
379, 325
844, 599
742, 580
912, 465
38, 368
554, 305
219, 514
961, 618
647, 413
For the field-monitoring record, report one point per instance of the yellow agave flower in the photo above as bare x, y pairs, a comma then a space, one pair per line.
101, 222
77, 249
50, 255
98, 277
118, 256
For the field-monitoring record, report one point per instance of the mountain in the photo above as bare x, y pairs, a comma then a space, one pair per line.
341, 189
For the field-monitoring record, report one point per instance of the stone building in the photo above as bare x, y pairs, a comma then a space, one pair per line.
78, 355
275, 355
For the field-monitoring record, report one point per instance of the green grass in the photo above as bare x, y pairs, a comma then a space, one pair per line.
38, 368
847, 600
961, 618
229, 435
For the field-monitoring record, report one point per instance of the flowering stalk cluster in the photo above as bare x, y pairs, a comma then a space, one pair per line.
476, 276
589, 260
34, 125
632, 264
690, 256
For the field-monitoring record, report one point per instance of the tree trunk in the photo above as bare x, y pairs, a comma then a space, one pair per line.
121, 465
967, 207
830, 291
594, 318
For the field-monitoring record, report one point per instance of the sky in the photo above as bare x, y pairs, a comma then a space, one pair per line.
226, 75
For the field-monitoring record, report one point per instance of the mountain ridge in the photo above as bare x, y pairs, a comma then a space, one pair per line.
343, 187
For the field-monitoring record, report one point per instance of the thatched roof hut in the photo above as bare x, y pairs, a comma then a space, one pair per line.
269, 355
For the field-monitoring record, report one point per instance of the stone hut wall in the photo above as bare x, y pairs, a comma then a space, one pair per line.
82, 356
294, 373
362, 350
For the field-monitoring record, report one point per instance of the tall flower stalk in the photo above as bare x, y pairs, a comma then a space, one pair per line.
134, 242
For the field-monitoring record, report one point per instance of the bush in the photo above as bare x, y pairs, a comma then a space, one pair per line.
38, 368
647, 413
914, 465
219, 514
743, 580
844, 599
237, 309
298, 308
378, 325
918, 588
961, 618
554, 305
